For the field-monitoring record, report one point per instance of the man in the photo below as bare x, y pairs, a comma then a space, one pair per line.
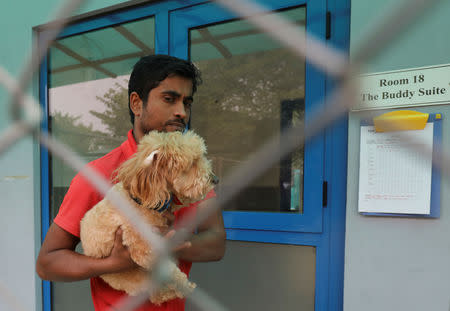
160, 93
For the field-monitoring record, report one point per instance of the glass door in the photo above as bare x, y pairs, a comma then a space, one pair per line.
87, 74
253, 88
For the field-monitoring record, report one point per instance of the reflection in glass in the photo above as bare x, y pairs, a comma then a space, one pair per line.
88, 111
88, 97
253, 88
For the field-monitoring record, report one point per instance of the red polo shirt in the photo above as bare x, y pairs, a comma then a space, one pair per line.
82, 196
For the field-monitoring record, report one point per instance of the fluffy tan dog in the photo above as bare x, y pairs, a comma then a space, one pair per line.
165, 165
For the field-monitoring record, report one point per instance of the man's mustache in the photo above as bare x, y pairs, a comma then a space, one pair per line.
176, 122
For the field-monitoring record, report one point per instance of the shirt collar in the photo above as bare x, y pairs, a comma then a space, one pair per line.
129, 147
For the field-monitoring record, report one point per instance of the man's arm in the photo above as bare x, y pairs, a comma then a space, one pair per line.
58, 261
209, 242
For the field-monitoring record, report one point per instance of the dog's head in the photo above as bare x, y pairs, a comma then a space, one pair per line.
165, 164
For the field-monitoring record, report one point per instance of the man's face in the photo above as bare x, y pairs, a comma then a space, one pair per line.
168, 107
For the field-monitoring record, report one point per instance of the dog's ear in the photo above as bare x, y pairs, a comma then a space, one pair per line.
142, 176
151, 158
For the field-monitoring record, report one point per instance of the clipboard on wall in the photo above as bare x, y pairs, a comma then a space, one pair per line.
394, 179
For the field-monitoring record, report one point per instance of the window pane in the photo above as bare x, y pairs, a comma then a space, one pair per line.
88, 97
260, 276
252, 89
88, 108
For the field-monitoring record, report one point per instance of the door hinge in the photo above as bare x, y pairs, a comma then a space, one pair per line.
328, 25
325, 193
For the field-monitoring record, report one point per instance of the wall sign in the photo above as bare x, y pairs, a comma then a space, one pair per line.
395, 180
404, 88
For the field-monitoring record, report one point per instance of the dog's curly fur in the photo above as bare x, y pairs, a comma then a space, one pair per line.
165, 164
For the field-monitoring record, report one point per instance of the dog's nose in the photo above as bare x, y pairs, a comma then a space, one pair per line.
214, 179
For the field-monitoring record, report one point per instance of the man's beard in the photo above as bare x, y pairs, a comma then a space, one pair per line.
174, 122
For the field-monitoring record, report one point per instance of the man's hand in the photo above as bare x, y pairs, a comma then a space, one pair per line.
176, 248
58, 261
208, 243
171, 233
120, 259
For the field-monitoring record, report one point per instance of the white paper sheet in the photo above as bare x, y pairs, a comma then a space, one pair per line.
392, 177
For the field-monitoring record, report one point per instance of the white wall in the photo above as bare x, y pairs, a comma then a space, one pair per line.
19, 166
398, 263
18, 223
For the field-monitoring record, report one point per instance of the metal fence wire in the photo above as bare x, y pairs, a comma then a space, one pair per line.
26, 115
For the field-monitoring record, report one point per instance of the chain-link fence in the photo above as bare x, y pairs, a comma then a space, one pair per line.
26, 114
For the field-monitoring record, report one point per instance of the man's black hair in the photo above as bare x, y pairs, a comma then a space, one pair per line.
150, 70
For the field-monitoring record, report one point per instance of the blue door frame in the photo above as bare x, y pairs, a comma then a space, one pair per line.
311, 219
323, 228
